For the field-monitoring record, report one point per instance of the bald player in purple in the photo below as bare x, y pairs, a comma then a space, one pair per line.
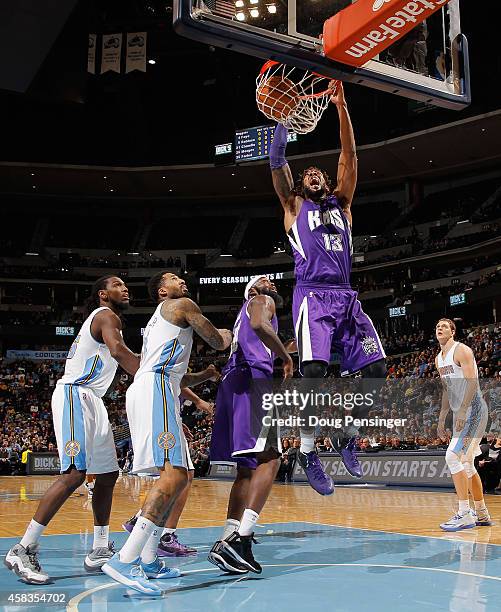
238, 435
326, 311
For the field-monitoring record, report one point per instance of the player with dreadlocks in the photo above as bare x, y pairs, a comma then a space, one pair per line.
83, 432
326, 312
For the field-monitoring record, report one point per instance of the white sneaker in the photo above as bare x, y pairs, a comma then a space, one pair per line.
482, 518
90, 488
24, 562
459, 521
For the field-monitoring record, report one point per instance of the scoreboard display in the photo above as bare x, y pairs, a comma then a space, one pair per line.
254, 143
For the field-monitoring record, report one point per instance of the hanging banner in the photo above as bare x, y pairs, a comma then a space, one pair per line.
136, 52
91, 54
112, 46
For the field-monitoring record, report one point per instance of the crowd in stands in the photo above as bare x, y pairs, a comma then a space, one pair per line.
411, 392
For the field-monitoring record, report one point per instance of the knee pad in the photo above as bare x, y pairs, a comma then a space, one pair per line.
314, 369
452, 460
469, 468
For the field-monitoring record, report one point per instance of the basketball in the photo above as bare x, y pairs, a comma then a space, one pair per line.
277, 98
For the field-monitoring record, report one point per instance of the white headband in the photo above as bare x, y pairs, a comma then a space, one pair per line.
251, 284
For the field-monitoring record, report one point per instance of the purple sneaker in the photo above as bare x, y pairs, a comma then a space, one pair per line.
350, 459
129, 524
170, 546
315, 473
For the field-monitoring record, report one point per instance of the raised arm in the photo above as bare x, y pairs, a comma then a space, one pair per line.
280, 172
261, 310
219, 339
347, 165
107, 325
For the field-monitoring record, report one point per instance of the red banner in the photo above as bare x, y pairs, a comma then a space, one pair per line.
364, 29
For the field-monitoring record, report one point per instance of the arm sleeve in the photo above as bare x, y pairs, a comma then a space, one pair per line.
277, 148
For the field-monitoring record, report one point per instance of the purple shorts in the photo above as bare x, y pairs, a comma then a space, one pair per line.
238, 433
332, 320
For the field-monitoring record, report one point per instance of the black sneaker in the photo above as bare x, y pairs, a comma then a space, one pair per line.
240, 548
221, 559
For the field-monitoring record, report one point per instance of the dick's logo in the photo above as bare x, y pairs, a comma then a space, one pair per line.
379, 4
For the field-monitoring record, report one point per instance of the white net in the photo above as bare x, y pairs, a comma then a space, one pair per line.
292, 96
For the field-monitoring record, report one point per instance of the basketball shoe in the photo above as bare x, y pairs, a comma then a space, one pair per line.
130, 575
240, 548
97, 557
482, 518
24, 562
315, 473
350, 459
466, 520
224, 561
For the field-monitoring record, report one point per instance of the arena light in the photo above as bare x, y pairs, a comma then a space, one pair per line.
31, 254
254, 12
239, 3
152, 62
272, 8
254, 1
240, 16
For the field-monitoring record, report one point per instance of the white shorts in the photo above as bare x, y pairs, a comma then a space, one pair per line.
466, 443
153, 411
83, 431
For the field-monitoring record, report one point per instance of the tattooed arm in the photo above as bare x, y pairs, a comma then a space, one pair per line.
219, 339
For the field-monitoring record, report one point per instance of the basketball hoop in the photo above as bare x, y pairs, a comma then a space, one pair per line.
292, 96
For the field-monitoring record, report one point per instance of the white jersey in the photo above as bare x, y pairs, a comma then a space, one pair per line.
166, 348
89, 363
453, 376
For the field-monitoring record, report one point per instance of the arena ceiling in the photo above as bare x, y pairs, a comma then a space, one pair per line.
438, 152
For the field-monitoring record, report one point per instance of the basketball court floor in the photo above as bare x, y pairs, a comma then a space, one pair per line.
361, 549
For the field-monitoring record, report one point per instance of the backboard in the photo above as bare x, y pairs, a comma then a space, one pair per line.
429, 64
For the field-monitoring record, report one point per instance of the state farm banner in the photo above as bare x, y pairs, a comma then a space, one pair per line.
112, 47
136, 52
362, 30
91, 54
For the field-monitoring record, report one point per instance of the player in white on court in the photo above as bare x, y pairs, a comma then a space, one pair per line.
458, 371
155, 423
83, 432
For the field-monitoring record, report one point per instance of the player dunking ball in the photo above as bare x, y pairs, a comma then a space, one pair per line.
326, 311
155, 423
461, 394
237, 435
83, 432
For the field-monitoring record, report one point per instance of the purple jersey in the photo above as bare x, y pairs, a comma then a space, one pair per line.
247, 348
321, 243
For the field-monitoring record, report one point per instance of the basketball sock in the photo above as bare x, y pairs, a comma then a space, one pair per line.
137, 540
248, 522
480, 505
230, 526
464, 506
167, 530
33, 533
149, 553
101, 536
307, 440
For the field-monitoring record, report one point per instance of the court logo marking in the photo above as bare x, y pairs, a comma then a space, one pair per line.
166, 440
